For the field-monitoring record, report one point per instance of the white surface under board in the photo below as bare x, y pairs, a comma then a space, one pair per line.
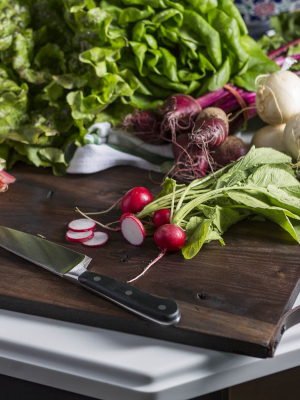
109, 365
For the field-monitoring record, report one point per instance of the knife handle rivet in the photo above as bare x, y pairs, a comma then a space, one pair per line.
128, 292
162, 307
97, 278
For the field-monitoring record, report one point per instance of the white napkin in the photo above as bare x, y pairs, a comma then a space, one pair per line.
116, 148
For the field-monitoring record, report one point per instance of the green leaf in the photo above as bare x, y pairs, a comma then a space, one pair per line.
197, 229
278, 174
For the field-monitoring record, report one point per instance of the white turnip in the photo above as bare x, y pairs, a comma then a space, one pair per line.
270, 136
278, 97
292, 137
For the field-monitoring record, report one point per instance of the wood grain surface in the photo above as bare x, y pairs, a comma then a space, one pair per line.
231, 298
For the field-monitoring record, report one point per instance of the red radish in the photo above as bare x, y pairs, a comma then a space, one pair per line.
211, 128
135, 200
162, 217
169, 237
82, 225
3, 187
231, 150
6, 178
146, 125
132, 229
192, 161
99, 239
179, 110
79, 237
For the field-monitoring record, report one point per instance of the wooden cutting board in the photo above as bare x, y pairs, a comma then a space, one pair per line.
231, 298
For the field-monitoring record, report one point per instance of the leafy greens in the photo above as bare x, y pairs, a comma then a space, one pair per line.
65, 64
261, 184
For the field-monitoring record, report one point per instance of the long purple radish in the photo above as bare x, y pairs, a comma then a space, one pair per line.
179, 111
81, 225
99, 239
79, 237
132, 229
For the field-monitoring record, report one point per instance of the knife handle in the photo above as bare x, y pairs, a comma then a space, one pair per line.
160, 310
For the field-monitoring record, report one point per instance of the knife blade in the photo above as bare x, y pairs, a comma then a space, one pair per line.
72, 266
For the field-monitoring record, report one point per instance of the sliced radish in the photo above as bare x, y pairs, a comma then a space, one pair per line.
132, 229
79, 237
99, 239
81, 225
7, 178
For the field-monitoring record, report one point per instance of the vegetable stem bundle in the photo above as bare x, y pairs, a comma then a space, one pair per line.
262, 183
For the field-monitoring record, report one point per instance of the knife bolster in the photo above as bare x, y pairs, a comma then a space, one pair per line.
75, 272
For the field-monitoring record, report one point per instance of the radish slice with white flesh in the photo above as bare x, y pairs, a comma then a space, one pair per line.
79, 237
81, 225
99, 239
132, 229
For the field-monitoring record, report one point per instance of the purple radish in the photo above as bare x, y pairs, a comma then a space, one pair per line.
191, 160
179, 111
231, 150
132, 229
146, 124
135, 200
81, 225
79, 237
99, 239
211, 128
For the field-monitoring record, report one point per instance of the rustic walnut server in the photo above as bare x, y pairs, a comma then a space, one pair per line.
235, 298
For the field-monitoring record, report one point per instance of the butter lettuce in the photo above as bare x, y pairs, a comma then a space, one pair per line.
65, 64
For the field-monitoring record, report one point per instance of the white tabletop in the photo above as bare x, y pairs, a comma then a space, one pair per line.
109, 365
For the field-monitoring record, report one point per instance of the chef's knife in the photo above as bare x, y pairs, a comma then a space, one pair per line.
73, 266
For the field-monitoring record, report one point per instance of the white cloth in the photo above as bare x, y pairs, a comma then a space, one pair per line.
117, 148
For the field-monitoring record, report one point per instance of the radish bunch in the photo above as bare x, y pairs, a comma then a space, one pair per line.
195, 131
168, 236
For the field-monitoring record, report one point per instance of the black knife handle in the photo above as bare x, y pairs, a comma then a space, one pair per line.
159, 310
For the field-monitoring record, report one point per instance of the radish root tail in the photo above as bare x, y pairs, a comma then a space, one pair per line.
149, 266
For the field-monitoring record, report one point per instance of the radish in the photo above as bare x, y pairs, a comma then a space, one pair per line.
169, 237
79, 237
3, 186
132, 229
99, 239
292, 137
162, 217
179, 111
135, 200
270, 136
231, 150
191, 161
81, 225
6, 178
146, 125
211, 128
278, 97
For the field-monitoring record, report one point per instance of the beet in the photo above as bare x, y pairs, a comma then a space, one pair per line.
179, 111
231, 150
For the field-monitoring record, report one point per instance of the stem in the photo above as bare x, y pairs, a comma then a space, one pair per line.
150, 265
280, 60
283, 48
99, 223
105, 211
